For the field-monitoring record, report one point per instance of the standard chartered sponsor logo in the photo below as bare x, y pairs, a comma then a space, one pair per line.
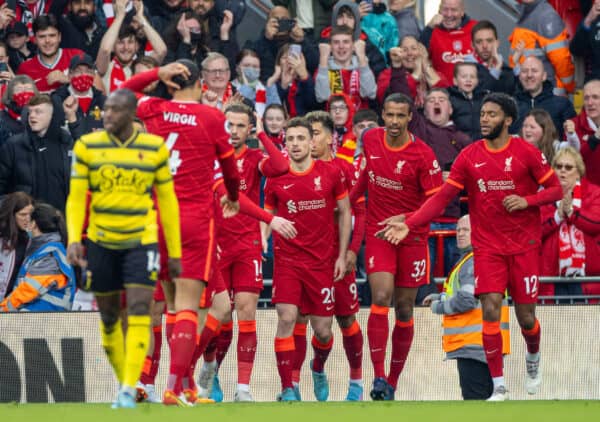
313, 204
495, 185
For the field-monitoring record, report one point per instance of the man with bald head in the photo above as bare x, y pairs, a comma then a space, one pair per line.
541, 32
448, 37
535, 91
279, 30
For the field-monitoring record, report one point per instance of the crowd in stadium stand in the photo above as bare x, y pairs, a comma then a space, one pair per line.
59, 59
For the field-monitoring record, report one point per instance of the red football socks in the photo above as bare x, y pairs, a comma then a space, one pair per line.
377, 333
300, 353
402, 338
492, 345
224, 341
322, 351
284, 353
183, 344
246, 350
152, 361
353, 346
532, 337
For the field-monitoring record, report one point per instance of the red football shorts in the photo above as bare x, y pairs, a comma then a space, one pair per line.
346, 295
197, 250
408, 263
494, 273
215, 285
310, 288
242, 272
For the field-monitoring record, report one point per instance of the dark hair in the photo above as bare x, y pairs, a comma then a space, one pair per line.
282, 50
127, 31
48, 220
40, 99
442, 90
341, 29
9, 206
129, 96
398, 98
483, 25
300, 122
321, 117
246, 52
148, 61
365, 114
457, 67
549, 133
17, 80
506, 103
43, 22
194, 74
241, 109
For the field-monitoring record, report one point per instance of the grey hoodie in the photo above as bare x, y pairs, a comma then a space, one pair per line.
354, 7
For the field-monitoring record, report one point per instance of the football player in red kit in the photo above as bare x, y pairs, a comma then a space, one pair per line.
401, 171
502, 175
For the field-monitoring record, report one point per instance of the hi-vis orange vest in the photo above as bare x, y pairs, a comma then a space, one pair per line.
464, 329
546, 37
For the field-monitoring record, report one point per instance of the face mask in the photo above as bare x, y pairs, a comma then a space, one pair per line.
82, 82
21, 99
195, 37
251, 74
81, 22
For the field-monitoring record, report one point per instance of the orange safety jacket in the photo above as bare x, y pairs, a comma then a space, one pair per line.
464, 329
546, 37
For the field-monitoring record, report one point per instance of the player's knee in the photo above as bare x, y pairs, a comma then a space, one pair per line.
345, 321
381, 298
323, 334
109, 318
404, 312
138, 308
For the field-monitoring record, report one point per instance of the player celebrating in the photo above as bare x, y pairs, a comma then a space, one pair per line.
346, 293
195, 135
121, 167
239, 239
502, 175
401, 171
304, 268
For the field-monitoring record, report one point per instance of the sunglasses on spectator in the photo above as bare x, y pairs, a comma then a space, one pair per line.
567, 167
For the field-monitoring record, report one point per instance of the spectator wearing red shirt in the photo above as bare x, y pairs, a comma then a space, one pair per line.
49, 68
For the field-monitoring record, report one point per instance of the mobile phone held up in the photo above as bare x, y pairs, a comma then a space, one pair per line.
286, 25
295, 50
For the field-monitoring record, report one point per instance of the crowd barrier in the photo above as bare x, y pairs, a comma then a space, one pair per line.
57, 357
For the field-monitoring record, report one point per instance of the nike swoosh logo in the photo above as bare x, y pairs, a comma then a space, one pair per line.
373, 157
288, 186
376, 350
329, 308
353, 305
491, 352
42, 149
477, 165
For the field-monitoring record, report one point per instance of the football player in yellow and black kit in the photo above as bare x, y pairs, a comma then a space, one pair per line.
122, 167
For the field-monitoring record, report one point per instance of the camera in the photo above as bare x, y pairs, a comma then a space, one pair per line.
286, 25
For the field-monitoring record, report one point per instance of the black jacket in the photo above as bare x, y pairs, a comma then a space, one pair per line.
9, 126
507, 82
465, 111
86, 122
559, 108
38, 166
267, 52
586, 43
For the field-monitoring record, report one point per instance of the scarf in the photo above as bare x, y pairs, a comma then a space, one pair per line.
117, 75
228, 93
291, 99
109, 12
260, 99
571, 243
336, 82
26, 13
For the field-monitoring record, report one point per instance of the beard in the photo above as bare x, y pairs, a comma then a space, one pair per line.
81, 22
495, 132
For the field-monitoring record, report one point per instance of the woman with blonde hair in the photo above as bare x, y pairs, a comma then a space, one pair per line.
571, 229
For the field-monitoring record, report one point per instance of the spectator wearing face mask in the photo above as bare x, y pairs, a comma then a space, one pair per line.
248, 82
184, 39
17, 95
79, 104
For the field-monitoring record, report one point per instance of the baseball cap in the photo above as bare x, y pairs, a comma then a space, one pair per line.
81, 59
17, 28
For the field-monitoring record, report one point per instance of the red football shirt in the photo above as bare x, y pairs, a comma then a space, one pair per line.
242, 232
38, 71
308, 199
398, 180
195, 135
490, 175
